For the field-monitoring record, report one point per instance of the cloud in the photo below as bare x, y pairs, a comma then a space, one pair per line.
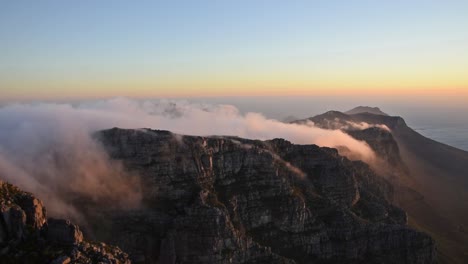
364, 125
48, 149
339, 124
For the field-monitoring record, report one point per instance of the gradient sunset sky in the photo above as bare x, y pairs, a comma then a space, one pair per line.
87, 49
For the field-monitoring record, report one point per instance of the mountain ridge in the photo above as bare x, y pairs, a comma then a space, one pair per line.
272, 200
365, 109
435, 170
222, 199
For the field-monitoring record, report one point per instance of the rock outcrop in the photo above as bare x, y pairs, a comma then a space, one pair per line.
26, 236
63, 232
382, 143
429, 177
231, 200
375, 129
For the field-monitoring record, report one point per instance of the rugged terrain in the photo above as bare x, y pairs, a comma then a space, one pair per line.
27, 236
231, 200
430, 178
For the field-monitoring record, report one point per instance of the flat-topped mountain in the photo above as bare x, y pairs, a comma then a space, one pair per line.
224, 199
227, 199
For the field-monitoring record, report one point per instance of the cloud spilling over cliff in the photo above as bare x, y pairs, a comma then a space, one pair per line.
48, 148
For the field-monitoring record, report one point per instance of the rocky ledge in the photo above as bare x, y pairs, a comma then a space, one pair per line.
27, 236
231, 200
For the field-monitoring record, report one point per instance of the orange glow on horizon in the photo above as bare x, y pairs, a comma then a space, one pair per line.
461, 92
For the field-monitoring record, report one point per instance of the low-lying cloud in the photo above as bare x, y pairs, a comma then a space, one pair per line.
363, 125
48, 149
339, 124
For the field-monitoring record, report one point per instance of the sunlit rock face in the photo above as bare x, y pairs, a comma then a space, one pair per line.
230, 200
27, 236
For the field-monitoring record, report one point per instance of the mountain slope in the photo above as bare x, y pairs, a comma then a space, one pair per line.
436, 171
227, 199
27, 236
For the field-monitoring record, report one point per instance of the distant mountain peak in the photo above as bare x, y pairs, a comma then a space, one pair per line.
366, 109
289, 119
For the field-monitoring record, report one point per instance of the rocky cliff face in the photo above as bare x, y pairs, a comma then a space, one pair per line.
429, 177
381, 142
27, 236
230, 200
365, 127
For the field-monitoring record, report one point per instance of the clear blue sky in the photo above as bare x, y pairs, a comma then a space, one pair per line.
139, 48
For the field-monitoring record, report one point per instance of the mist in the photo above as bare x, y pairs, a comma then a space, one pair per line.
48, 149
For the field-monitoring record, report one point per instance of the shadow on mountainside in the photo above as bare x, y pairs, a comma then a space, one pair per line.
432, 177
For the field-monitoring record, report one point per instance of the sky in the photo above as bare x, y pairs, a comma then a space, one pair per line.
52, 50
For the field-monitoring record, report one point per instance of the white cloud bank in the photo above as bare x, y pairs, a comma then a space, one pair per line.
47, 148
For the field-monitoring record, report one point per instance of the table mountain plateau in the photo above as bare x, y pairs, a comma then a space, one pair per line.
224, 199
231, 200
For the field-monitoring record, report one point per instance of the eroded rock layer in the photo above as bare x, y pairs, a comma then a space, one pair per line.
231, 200
27, 236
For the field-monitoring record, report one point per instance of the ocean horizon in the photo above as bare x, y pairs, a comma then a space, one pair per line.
455, 136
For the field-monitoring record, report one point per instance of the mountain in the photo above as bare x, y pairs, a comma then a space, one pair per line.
231, 200
223, 199
27, 236
289, 119
431, 176
365, 109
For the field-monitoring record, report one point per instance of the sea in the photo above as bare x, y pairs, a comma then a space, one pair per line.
455, 136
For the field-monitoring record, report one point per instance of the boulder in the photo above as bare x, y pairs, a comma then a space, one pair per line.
63, 231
